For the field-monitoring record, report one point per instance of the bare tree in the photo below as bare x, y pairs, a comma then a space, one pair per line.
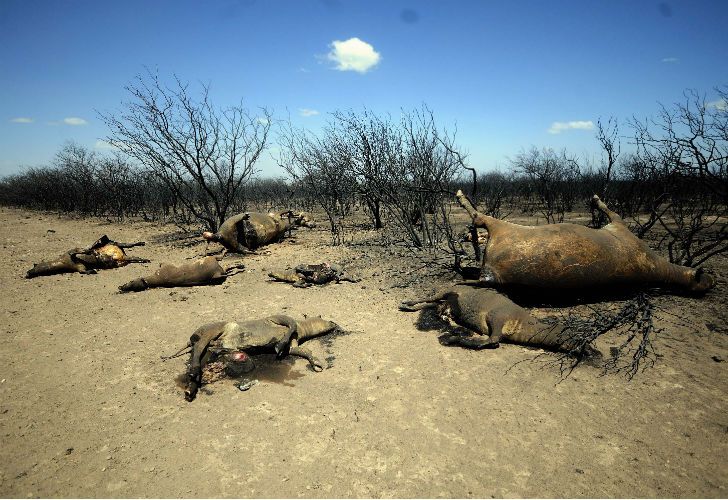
552, 179
407, 167
608, 137
80, 166
323, 165
201, 153
687, 145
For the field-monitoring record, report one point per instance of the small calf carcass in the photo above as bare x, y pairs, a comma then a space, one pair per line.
490, 318
205, 271
304, 276
246, 232
570, 256
237, 341
103, 254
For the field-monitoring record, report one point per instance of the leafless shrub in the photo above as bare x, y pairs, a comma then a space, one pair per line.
496, 193
401, 171
634, 324
202, 154
81, 181
408, 167
608, 137
323, 165
695, 229
552, 179
687, 145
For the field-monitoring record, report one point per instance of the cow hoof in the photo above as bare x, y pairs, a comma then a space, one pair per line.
247, 384
449, 339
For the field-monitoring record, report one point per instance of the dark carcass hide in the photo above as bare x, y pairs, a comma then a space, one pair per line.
306, 275
238, 340
243, 233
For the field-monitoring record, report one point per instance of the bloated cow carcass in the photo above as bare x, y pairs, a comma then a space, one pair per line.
205, 271
574, 257
103, 254
246, 232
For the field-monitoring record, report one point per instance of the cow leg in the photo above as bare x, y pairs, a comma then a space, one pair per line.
470, 342
418, 304
348, 277
285, 276
136, 260
302, 352
490, 339
238, 268
129, 245
602, 207
288, 337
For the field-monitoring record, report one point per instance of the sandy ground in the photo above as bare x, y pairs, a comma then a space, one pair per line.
87, 409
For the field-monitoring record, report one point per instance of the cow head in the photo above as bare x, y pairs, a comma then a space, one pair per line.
701, 282
299, 218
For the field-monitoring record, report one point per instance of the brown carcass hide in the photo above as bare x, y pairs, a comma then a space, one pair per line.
103, 254
245, 232
205, 271
570, 256
238, 340
490, 318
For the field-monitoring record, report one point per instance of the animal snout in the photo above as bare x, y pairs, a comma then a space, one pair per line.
703, 281
136, 285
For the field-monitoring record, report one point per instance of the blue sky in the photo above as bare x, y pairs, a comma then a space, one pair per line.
503, 71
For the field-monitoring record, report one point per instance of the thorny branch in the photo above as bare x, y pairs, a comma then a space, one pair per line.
634, 319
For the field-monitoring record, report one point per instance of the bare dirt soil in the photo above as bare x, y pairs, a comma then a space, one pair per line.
87, 409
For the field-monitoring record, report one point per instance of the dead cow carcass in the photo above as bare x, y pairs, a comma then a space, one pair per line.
237, 341
205, 271
490, 318
306, 275
103, 254
243, 233
571, 256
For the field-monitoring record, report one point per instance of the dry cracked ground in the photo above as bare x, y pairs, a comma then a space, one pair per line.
88, 409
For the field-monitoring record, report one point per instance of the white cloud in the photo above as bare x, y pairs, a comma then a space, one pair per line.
720, 104
303, 70
558, 127
305, 112
104, 145
670, 59
262, 120
22, 119
353, 55
74, 121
